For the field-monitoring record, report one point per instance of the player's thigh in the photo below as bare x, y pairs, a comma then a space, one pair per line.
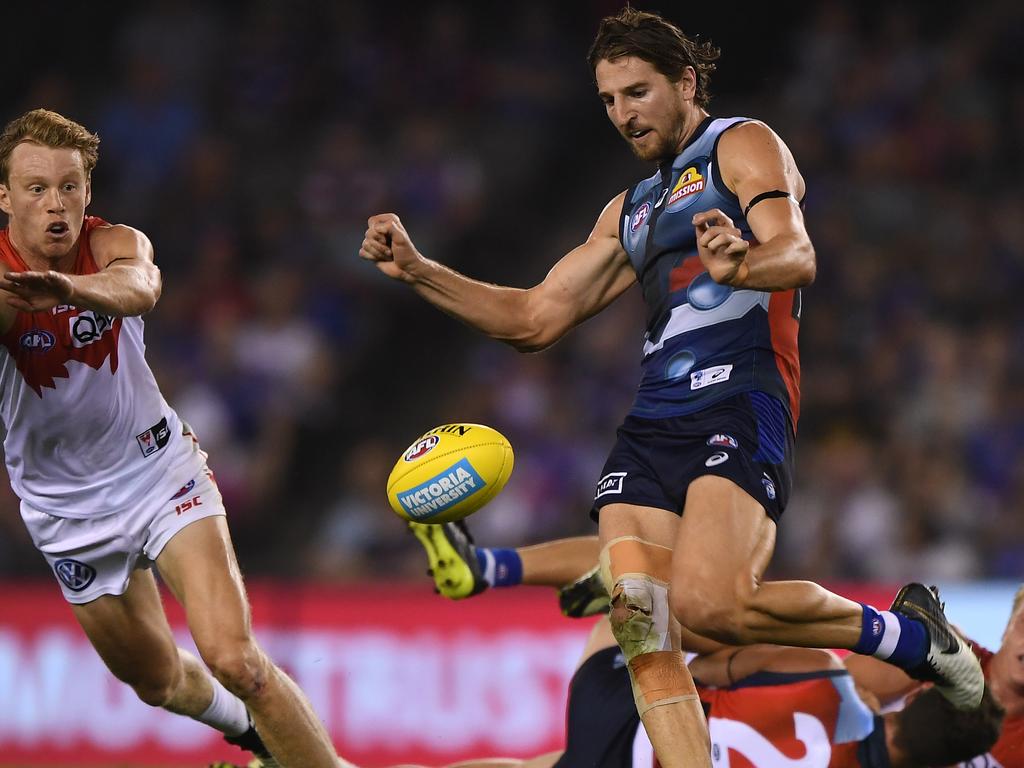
130, 631
199, 566
658, 526
724, 542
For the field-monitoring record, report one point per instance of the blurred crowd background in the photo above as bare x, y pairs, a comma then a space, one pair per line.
252, 140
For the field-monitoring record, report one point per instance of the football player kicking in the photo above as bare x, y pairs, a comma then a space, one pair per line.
770, 705
767, 706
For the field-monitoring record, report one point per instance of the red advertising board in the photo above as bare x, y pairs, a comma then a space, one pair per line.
397, 674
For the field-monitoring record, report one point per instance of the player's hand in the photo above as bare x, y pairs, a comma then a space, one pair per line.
37, 291
387, 244
721, 247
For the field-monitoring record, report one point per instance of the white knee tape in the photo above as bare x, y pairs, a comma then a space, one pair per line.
636, 573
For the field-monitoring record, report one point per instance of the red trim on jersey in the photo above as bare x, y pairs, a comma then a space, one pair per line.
41, 343
784, 328
1009, 749
683, 275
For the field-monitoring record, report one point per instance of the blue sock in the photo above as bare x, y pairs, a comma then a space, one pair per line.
892, 637
500, 567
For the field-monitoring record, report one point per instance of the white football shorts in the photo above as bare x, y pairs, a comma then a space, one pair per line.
95, 556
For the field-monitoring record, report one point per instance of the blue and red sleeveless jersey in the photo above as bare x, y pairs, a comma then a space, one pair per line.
704, 341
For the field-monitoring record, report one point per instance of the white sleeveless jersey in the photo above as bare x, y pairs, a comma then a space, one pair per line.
85, 429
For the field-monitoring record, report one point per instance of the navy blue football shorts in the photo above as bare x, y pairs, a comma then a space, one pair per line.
747, 438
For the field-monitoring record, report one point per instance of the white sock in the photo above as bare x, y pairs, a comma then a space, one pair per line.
490, 566
226, 712
890, 635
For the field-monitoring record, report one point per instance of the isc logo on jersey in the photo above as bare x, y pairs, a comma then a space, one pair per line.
449, 472
691, 182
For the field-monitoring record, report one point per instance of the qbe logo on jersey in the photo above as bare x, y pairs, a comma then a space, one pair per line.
441, 492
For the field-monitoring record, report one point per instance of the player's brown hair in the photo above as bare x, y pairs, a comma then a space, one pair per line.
931, 731
660, 43
1017, 600
41, 126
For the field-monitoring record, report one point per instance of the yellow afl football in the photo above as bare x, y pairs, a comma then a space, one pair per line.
449, 472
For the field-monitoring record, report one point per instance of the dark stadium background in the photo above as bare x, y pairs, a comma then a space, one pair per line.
252, 140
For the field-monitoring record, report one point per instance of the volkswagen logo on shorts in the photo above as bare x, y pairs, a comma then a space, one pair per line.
75, 576
37, 340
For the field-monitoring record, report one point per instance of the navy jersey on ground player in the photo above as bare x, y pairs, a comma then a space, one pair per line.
768, 720
601, 721
704, 341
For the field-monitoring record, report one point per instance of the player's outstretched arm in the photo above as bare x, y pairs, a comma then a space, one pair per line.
128, 282
581, 284
759, 168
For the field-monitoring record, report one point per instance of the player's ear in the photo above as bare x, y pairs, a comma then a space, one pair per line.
5, 199
88, 190
687, 84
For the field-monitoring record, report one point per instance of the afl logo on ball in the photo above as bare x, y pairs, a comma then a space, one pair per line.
640, 217
421, 447
75, 575
37, 340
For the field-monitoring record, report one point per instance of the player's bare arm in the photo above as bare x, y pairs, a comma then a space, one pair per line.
730, 664
581, 284
755, 161
128, 282
886, 682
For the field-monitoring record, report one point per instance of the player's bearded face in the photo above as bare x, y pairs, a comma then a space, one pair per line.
45, 199
647, 109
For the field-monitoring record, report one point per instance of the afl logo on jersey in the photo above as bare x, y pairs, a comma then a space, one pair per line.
689, 186
421, 448
640, 216
37, 340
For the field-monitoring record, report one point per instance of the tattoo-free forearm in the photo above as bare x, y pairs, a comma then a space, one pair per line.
785, 261
119, 290
498, 311
560, 562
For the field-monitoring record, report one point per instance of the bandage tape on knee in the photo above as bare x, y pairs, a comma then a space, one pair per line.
636, 574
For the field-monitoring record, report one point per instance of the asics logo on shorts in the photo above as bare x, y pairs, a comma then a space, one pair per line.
716, 458
75, 575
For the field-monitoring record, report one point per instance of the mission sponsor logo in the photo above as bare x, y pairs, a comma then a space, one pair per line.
640, 216
443, 491
37, 340
690, 183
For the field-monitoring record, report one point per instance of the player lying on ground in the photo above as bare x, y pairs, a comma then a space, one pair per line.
1004, 674
751, 692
